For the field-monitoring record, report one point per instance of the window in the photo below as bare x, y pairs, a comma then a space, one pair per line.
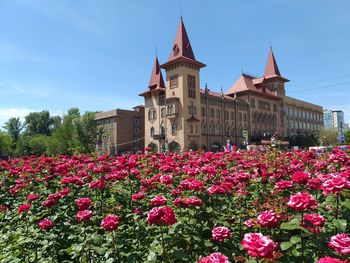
212, 113
232, 115
240, 116
192, 110
274, 107
136, 130
173, 129
161, 99
252, 103
203, 112
152, 115
245, 117
162, 112
191, 128
152, 132
217, 113
136, 121
191, 84
226, 115
173, 82
162, 130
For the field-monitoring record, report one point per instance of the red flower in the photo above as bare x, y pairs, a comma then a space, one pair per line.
249, 223
258, 245
98, 184
166, 179
158, 200
301, 201
3, 208
191, 184
110, 223
331, 260
32, 197
160, 215
24, 208
334, 183
83, 203
214, 258
268, 219
49, 203
340, 243
138, 196
84, 215
313, 222
45, 224
300, 177
220, 233
283, 184
65, 191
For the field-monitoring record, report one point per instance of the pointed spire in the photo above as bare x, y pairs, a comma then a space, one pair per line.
156, 81
182, 49
271, 68
182, 46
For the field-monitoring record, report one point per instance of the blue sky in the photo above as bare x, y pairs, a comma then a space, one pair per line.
98, 55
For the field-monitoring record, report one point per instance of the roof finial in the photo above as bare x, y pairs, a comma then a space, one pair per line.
270, 43
180, 10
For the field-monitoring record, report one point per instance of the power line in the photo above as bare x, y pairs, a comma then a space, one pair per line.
321, 87
321, 80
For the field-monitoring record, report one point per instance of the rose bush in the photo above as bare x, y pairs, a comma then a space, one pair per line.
191, 207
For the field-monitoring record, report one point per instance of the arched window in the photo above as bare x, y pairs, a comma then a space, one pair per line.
152, 132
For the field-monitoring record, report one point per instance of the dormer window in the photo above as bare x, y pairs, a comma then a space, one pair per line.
176, 50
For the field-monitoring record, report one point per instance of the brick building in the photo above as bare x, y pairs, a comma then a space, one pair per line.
180, 115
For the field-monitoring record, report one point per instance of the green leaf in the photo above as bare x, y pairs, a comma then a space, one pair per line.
340, 224
295, 239
180, 254
295, 252
110, 260
286, 245
208, 243
291, 225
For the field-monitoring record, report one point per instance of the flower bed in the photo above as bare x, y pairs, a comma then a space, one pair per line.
191, 207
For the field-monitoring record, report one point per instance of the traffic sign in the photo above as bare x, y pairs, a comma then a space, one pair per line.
341, 137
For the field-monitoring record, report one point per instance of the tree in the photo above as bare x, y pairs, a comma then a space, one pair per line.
5, 144
14, 127
39, 123
328, 137
86, 132
347, 137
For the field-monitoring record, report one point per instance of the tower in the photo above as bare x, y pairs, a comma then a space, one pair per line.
275, 82
182, 94
155, 109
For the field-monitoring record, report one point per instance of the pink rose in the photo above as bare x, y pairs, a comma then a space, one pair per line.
301, 201
340, 243
220, 233
313, 222
45, 224
331, 260
160, 215
84, 215
268, 219
258, 245
110, 222
158, 200
83, 203
283, 184
300, 177
24, 208
32, 197
214, 258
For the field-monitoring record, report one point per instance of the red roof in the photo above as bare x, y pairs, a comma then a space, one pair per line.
271, 69
182, 49
156, 82
249, 83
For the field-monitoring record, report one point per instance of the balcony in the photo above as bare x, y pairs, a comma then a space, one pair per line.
172, 115
159, 136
